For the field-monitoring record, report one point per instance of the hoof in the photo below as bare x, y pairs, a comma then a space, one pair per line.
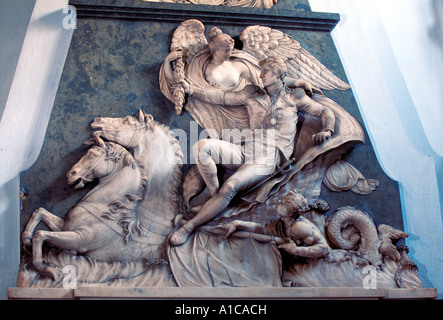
26, 239
26, 249
52, 273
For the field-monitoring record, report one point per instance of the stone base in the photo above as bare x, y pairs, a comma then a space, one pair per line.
100, 293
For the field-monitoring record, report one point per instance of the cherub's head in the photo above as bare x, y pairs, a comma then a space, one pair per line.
292, 205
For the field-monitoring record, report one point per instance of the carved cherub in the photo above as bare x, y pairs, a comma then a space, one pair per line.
291, 231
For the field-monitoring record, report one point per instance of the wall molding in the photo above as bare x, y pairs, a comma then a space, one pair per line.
220, 15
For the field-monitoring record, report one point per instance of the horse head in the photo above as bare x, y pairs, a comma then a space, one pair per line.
98, 162
153, 144
125, 131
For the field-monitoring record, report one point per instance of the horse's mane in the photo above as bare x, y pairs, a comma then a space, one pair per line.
174, 196
123, 210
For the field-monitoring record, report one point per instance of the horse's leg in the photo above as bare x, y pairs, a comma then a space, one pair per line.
52, 221
69, 240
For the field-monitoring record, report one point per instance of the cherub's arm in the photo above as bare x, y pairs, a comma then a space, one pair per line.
236, 225
315, 251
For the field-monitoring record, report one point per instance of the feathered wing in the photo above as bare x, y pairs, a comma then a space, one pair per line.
263, 42
190, 37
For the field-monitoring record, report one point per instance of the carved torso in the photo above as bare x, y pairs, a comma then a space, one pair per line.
284, 112
226, 75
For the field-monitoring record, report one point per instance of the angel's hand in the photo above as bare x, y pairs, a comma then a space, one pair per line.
322, 136
174, 55
229, 228
185, 85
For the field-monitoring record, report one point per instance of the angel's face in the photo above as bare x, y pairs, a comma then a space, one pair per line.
222, 53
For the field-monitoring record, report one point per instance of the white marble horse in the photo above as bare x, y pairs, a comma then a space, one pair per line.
155, 146
103, 225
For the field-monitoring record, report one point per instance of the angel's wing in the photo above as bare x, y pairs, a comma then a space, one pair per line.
263, 42
190, 36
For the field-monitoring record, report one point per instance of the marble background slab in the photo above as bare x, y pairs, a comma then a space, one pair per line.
112, 70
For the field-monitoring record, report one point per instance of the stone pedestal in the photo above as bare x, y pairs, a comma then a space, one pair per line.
88, 293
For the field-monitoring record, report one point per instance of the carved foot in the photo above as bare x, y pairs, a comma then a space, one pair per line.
181, 235
179, 220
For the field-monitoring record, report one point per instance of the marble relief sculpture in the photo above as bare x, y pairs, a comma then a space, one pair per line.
249, 213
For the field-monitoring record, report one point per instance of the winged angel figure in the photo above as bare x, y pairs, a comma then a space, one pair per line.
214, 65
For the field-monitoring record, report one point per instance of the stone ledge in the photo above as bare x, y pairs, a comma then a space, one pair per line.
221, 15
403, 294
40, 293
104, 293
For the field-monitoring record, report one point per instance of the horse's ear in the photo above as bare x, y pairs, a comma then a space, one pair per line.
141, 116
95, 139
149, 121
89, 142
128, 160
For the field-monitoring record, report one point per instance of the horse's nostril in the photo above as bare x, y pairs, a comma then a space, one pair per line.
97, 120
73, 172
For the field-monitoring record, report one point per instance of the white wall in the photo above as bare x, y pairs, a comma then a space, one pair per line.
32, 92
392, 55
27, 107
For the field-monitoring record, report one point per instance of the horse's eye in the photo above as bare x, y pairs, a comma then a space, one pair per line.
92, 154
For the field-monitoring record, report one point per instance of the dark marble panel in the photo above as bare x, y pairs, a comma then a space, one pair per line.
112, 69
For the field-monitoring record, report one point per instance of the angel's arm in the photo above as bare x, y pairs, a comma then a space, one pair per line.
171, 57
315, 251
215, 96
